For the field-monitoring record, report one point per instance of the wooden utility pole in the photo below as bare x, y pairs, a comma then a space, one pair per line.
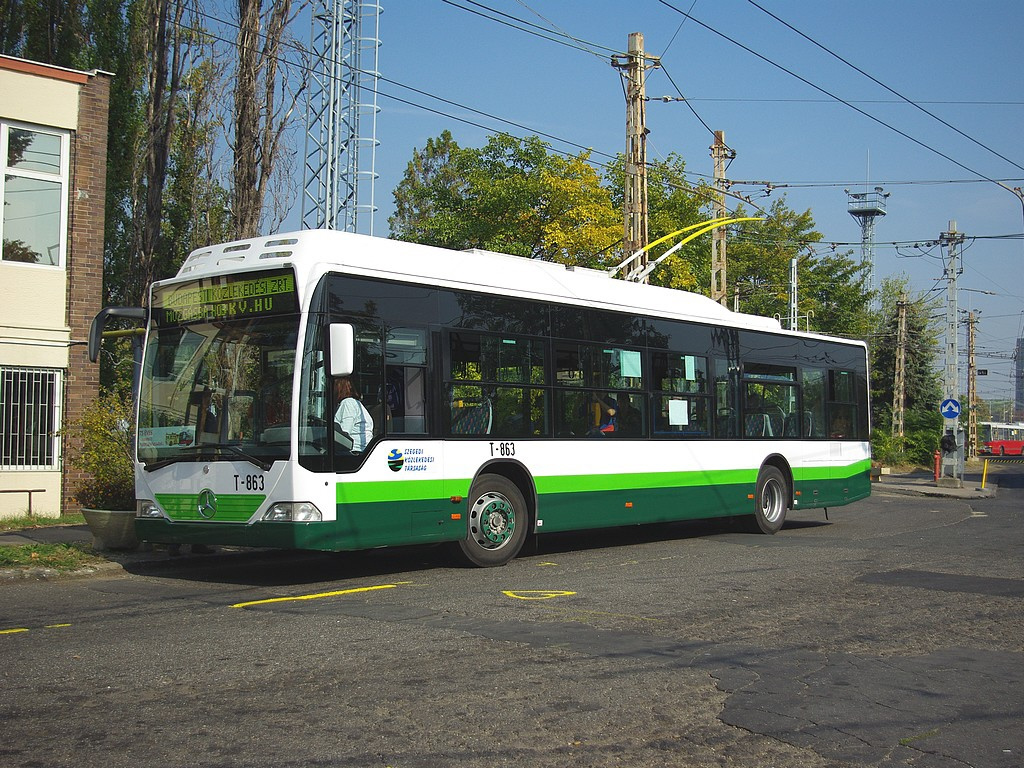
634, 64
899, 384
719, 154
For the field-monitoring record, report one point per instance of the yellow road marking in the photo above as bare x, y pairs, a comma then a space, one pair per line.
536, 594
56, 626
314, 597
12, 631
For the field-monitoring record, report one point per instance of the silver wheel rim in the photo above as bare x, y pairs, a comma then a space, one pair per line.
492, 521
772, 502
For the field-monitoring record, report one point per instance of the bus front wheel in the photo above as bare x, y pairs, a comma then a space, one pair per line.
771, 500
498, 522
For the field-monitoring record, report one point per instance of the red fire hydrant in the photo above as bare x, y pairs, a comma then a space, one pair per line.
938, 466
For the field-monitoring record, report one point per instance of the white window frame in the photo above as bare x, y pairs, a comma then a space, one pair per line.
63, 178
39, 380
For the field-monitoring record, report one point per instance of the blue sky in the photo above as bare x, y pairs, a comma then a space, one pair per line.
955, 59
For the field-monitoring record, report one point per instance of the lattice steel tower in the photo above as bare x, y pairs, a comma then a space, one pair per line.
341, 116
865, 207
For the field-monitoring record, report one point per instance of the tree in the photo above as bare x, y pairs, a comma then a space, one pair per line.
428, 200
512, 195
50, 31
672, 204
831, 286
922, 422
260, 119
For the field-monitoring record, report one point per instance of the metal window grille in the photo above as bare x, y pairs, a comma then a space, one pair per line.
29, 418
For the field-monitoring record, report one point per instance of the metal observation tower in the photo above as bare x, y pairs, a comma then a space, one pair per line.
865, 207
341, 116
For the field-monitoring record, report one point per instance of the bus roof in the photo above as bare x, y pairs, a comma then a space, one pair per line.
312, 252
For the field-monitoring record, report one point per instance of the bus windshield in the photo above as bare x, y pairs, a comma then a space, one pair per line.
218, 391
219, 387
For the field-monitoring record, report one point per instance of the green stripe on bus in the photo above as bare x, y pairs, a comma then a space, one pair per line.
395, 490
642, 480
231, 507
413, 490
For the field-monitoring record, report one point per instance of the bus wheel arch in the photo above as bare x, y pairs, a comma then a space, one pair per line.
773, 496
500, 508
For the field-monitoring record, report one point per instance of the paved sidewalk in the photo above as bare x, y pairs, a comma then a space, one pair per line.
923, 484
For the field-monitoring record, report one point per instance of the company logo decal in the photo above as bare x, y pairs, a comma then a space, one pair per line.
207, 503
410, 460
395, 460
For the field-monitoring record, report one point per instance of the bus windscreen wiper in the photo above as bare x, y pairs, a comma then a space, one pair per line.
248, 457
207, 451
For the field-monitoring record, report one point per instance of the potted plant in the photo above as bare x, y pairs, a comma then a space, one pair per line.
103, 452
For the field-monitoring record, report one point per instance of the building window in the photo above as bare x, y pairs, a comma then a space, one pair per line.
34, 194
29, 418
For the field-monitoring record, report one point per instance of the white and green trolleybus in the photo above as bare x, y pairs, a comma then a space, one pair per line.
508, 397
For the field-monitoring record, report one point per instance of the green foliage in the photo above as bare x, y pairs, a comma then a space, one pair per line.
672, 204
21, 523
831, 294
512, 196
916, 447
103, 450
922, 392
60, 557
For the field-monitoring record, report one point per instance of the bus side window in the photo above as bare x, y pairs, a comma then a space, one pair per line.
405, 381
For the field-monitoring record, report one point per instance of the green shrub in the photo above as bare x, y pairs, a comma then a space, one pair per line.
104, 453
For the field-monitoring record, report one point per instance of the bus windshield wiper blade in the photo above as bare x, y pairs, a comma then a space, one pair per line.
207, 452
185, 454
248, 457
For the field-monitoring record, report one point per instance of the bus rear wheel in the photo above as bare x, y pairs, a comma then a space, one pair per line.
498, 522
771, 500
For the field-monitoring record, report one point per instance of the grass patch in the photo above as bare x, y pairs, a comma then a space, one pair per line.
60, 557
21, 523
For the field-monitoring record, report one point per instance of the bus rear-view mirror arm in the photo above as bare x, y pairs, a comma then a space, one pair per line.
100, 321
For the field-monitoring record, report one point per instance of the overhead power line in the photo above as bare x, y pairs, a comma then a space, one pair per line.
530, 28
825, 91
878, 82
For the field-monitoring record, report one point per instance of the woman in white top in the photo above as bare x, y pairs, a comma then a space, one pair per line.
351, 417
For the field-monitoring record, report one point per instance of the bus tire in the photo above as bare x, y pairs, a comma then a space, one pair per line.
498, 522
770, 500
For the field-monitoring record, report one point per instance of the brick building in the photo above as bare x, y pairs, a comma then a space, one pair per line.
53, 147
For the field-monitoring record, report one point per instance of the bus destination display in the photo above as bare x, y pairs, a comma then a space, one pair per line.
226, 298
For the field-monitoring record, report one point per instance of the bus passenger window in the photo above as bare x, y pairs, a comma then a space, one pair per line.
405, 380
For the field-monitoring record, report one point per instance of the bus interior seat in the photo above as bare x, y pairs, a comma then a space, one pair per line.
472, 420
757, 425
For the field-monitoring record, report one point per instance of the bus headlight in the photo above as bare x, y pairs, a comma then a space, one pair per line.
293, 512
147, 508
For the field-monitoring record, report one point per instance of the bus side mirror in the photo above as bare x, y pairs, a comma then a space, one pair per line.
343, 345
100, 321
